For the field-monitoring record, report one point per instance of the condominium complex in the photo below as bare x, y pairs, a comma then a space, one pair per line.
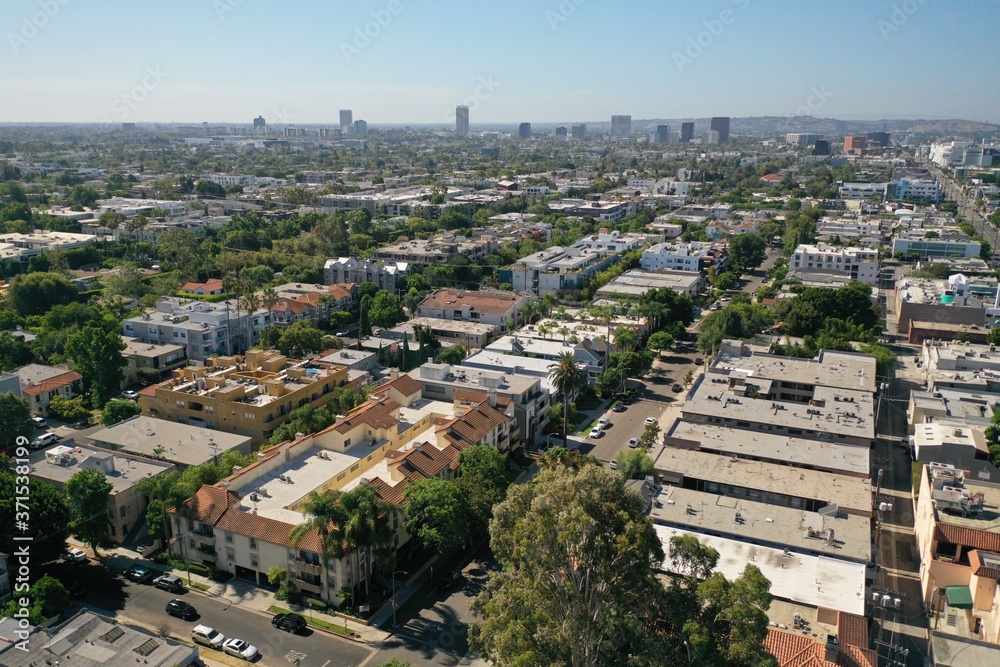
496, 308
385, 274
694, 256
856, 263
557, 269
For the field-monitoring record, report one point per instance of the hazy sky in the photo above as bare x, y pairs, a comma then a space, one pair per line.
300, 61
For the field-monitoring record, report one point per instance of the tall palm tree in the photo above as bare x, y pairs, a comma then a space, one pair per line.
325, 515
547, 303
368, 527
606, 314
527, 311
567, 376
269, 299
624, 338
251, 303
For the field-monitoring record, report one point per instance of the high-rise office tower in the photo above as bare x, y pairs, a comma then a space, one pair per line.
621, 126
562, 133
462, 121
579, 131
346, 121
524, 131
662, 134
721, 125
687, 132
361, 128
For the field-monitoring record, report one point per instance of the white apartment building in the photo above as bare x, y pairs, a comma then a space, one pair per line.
613, 242
385, 273
862, 190
231, 180
204, 329
129, 207
678, 256
860, 263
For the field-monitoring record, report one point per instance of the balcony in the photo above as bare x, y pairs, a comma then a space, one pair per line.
310, 587
206, 553
305, 567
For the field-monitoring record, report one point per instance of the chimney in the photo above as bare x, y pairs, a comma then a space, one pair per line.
832, 648
393, 373
492, 398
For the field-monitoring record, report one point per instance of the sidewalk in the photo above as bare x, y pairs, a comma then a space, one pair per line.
244, 594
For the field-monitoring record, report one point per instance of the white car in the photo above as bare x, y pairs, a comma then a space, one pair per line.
206, 636
130, 395
603, 423
75, 555
44, 440
39, 422
595, 432
633, 442
240, 649
650, 421
613, 464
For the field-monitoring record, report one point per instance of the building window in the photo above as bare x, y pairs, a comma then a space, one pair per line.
229, 538
230, 554
122, 510
253, 561
191, 542
253, 542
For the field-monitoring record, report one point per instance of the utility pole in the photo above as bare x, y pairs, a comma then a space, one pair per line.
886, 609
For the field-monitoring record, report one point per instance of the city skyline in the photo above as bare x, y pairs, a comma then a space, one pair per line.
195, 61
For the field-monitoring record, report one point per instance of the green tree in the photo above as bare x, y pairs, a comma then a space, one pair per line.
118, 410
15, 422
483, 483
48, 509
726, 280
364, 323
82, 196
436, 514
48, 599
300, 340
660, 341
648, 437
386, 310
96, 352
88, 492
993, 337
209, 189
453, 355
36, 293
567, 377
124, 281
747, 251
68, 409
634, 464
579, 560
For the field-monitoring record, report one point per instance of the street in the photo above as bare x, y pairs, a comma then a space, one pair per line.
111, 594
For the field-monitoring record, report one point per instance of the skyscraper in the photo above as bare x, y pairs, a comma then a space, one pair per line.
621, 126
361, 128
346, 121
562, 133
524, 131
462, 121
687, 132
579, 131
721, 125
662, 134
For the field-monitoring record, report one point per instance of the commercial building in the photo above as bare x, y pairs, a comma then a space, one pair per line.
957, 528
862, 190
918, 190
251, 398
462, 121
579, 131
126, 503
40, 384
635, 282
621, 127
946, 243
858, 263
855, 145
346, 121
181, 444
802, 139
687, 132
385, 274
524, 131
89, 640
720, 124
361, 128
492, 307
662, 135
204, 329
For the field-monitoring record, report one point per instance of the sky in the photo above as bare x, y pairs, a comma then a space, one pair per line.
410, 61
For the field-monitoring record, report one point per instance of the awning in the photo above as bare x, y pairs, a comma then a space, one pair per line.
959, 596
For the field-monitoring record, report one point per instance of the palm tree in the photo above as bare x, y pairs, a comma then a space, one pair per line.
606, 314
547, 303
324, 515
624, 338
527, 311
269, 299
368, 528
251, 303
567, 376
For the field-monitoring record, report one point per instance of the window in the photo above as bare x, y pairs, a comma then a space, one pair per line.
253, 561
253, 542
347, 442
122, 510
230, 554
191, 542
229, 537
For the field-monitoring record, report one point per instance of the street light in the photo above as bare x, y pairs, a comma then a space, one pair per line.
394, 603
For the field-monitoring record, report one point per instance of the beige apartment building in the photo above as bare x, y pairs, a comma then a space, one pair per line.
251, 397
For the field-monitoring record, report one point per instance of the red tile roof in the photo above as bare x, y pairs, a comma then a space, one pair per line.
969, 537
268, 530
210, 503
376, 415
54, 382
296, 307
210, 285
490, 303
791, 650
981, 570
404, 384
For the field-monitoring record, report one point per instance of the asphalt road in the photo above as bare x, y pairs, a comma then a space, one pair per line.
110, 594
438, 633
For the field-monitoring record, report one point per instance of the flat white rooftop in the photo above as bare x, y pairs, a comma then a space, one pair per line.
817, 581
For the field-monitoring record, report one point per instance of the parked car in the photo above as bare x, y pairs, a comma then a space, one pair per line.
449, 580
169, 582
44, 440
699, 361
139, 574
649, 421
206, 636
620, 407
633, 442
613, 464
677, 388
181, 609
595, 432
75, 555
39, 422
240, 648
289, 623
76, 589
130, 395
603, 423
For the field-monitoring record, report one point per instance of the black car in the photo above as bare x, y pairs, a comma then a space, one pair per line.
289, 623
449, 580
139, 574
76, 589
181, 609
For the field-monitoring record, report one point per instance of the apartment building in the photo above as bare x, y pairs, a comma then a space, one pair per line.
242, 524
471, 335
858, 263
160, 358
40, 384
957, 527
183, 445
297, 301
251, 398
584, 351
526, 394
557, 269
694, 256
921, 190
493, 307
862, 190
126, 504
204, 329
635, 282
385, 274
23, 247
437, 251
